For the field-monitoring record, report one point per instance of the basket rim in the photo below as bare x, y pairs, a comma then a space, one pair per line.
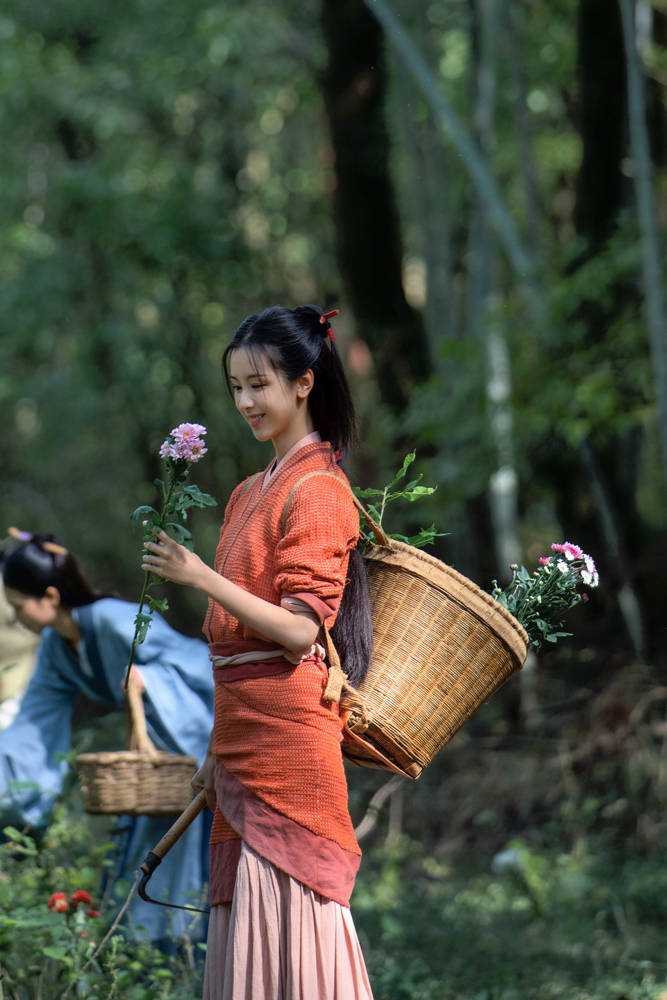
134, 756
401, 555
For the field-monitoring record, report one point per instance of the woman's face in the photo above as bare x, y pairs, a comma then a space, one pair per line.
274, 408
34, 612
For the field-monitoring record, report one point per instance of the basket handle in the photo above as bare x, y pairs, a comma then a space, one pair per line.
380, 536
338, 684
138, 735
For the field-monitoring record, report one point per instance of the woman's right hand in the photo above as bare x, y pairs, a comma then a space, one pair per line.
203, 779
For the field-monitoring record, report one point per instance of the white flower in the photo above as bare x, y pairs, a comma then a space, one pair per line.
590, 579
590, 574
562, 566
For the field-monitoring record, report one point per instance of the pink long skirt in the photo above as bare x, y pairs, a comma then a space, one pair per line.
279, 940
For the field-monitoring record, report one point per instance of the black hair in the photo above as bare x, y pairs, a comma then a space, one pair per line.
31, 568
295, 340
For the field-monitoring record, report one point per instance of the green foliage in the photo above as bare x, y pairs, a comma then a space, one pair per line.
531, 923
410, 491
165, 175
52, 955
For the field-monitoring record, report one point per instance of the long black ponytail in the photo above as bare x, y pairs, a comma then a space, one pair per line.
295, 340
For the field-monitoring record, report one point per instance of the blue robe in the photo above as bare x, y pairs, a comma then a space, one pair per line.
178, 703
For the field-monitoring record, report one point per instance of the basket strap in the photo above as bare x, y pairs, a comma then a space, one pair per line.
338, 688
138, 735
380, 536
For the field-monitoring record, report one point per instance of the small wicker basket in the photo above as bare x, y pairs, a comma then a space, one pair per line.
442, 647
139, 781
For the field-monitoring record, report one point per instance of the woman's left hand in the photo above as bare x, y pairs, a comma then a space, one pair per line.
172, 561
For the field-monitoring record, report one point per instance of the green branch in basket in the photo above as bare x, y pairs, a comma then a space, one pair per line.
411, 491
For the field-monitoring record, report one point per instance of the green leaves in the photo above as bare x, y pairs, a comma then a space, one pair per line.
411, 491
142, 624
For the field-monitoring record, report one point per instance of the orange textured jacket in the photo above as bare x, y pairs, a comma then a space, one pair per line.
280, 782
274, 552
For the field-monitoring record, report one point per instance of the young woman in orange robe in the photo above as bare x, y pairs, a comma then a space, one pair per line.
283, 851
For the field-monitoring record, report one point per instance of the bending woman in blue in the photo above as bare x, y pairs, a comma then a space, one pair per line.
84, 649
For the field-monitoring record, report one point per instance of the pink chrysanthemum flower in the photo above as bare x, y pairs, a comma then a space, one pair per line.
544, 560
569, 550
191, 450
188, 432
197, 450
167, 449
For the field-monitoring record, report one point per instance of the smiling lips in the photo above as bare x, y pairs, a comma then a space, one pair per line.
255, 419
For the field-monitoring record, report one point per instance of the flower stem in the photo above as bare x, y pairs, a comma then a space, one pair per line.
147, 582
142, 599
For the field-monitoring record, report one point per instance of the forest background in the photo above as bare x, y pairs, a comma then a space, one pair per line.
480, 188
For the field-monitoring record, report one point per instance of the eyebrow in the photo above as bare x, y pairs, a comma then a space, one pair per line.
233, 378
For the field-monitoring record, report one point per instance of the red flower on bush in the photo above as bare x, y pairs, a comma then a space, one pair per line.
58, 902
81, 896
92, 913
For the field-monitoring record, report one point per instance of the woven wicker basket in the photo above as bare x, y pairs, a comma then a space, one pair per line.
442, 647
141, 781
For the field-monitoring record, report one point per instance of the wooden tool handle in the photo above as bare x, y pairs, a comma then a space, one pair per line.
181, 825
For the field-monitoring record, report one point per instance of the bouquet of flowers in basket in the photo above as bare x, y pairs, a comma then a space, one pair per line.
182, 449
539, 599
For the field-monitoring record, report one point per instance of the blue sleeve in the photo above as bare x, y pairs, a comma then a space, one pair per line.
176, 671
32, 769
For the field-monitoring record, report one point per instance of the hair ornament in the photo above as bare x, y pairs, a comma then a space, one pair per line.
324, 318
20, 536
26, 536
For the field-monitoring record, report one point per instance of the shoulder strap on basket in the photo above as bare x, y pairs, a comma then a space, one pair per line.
380, 536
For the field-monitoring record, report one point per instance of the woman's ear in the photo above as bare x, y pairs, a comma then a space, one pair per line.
53, 594
304, 383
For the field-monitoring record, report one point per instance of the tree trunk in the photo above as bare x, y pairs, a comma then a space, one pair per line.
653, 271
601, 74
367, 225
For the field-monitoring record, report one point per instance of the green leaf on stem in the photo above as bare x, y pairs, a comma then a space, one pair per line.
142, 513
180, 534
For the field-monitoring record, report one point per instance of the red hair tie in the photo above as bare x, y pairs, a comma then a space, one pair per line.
325, 319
